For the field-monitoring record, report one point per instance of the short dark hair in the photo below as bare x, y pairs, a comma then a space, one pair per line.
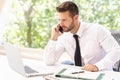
68, 6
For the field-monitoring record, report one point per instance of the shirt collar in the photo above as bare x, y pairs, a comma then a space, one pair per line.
80, 30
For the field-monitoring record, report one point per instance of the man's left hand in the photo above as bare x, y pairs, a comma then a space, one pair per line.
90, 67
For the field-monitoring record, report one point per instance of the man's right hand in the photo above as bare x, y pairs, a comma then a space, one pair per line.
55, 32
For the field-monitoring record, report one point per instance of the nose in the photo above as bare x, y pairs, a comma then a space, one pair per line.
61, 22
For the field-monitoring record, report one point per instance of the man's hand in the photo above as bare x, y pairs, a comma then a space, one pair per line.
55, 32
90, 67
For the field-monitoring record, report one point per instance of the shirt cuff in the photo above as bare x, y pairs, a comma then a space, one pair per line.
100, 66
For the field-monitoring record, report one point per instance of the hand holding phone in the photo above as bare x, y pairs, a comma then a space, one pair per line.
60, 29
56, 32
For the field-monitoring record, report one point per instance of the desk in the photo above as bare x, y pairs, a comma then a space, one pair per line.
6, 73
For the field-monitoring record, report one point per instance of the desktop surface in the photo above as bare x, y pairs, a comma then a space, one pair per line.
6, 73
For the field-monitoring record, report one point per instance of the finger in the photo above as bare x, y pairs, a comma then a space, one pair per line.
55, 28
86, 67
95, 69
89, 67
92, 68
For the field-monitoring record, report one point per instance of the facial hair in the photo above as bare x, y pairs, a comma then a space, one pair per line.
71, 26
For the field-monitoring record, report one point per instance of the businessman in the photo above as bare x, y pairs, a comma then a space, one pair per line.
89, 45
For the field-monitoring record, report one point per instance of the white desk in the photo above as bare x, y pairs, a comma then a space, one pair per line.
6, 73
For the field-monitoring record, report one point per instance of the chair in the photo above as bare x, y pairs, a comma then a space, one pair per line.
116, 35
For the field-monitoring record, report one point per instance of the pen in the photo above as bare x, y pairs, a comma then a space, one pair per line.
77, 72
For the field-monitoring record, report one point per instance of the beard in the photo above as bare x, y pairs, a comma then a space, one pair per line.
71, 26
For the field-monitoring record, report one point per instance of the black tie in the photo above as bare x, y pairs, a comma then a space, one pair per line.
77, 56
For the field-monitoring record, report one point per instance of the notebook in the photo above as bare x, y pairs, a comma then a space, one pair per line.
16, 63
77, 73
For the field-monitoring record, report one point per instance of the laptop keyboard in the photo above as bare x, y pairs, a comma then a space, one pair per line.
29, 70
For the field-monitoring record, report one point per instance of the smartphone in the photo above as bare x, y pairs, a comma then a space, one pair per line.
60, 29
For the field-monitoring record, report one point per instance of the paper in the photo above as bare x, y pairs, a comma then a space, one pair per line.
86, 75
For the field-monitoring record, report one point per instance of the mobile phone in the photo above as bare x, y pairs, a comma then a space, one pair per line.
60, 29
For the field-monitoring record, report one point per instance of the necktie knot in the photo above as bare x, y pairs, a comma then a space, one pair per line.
75, 36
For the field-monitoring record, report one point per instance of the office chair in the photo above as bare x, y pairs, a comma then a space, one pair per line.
116, 35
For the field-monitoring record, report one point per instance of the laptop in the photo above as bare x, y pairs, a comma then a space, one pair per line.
16, 63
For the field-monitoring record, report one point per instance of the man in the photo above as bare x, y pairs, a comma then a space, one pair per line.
98, 49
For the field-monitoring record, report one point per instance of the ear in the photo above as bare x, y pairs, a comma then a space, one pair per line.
76, 17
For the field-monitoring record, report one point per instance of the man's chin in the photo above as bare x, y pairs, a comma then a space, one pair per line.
65, 31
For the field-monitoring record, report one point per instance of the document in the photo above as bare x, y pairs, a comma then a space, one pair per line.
77, 73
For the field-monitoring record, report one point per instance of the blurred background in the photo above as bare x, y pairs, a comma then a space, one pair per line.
28, 22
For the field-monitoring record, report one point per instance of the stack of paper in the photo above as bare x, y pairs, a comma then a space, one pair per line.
77, 73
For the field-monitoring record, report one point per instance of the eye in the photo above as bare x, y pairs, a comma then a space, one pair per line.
64, 19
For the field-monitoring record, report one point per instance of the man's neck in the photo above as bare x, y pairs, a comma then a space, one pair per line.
77, 26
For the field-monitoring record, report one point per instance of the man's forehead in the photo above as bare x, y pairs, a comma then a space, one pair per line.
64, 14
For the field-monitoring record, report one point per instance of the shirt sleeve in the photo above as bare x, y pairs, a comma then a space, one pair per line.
53, 51
111, 47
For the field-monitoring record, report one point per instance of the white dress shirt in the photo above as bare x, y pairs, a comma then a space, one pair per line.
97, 46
